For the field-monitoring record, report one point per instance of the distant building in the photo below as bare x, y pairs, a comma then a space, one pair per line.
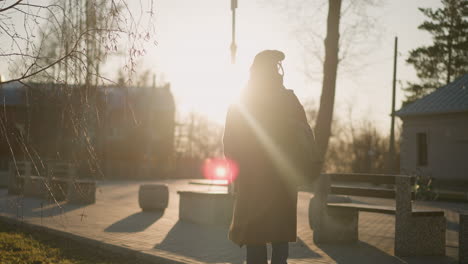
435, 135
110, 128
137, 130
12, 120
29, 120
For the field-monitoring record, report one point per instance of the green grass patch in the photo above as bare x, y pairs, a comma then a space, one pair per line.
23, 246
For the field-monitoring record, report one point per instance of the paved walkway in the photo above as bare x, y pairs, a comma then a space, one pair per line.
116, 219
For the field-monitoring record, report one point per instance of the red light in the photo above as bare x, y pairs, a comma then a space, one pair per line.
220, 169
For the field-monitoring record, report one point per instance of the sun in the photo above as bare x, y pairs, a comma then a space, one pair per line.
208, 83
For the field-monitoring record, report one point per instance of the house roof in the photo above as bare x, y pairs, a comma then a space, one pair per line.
160, 98
451, 98
11, 94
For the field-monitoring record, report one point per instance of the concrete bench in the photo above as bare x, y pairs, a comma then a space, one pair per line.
463, 238
60, 174
22, 181
81, 191
35, 186
417, 232
73, 190
58, 189
64, 184
4, 174
153, 197
208, 208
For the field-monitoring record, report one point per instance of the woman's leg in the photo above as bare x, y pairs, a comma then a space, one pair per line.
257, 254
280, 252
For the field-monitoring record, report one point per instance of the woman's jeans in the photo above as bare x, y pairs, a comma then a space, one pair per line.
257, 254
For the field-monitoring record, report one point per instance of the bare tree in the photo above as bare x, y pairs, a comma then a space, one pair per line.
354, 146
330, 68
61, 37
198, 137
55, 49
359, 32
339, 45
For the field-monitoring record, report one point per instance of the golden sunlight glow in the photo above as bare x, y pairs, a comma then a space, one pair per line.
208, 84
194, 54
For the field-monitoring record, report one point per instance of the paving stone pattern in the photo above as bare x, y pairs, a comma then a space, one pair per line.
116, 219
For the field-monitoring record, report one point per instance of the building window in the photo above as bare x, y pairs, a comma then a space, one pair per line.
422, 148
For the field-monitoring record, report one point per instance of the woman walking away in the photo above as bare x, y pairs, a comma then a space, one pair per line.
268, 137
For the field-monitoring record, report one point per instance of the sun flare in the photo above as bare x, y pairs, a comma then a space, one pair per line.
220, 172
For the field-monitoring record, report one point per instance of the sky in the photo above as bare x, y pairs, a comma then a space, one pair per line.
193, 53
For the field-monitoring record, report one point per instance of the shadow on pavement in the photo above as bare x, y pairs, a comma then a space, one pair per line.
430, 260
210, 244
35, 207
364, 253
52, 209
359, 252
203, 243
136, 222
300, 250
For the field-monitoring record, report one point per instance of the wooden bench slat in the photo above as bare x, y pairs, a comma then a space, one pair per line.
426, 212
195, 193
365, 191
365, 207
362, 177
60, 179
366, 177
385, 209
83, 181
362, 191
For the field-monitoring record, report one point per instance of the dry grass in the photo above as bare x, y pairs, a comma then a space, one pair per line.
22, 246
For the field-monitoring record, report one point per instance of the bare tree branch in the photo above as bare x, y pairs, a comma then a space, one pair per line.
11, 6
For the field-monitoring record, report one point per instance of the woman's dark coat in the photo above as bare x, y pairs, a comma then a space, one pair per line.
261, 138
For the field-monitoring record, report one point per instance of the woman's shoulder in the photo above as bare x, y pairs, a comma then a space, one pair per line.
295, 106
291, 97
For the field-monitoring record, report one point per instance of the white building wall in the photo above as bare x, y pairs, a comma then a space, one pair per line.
447, 140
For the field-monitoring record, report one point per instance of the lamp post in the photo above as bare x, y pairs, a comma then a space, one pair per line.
392, 158
233, 43
233, 61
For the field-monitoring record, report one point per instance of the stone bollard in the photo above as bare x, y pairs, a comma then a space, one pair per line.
153, 197
463, 239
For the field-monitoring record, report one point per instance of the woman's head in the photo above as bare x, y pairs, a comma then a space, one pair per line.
266, 68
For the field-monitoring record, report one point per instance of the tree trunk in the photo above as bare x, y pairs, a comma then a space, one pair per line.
330, 67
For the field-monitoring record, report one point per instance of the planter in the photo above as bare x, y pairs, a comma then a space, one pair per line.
210, 208
153, 197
